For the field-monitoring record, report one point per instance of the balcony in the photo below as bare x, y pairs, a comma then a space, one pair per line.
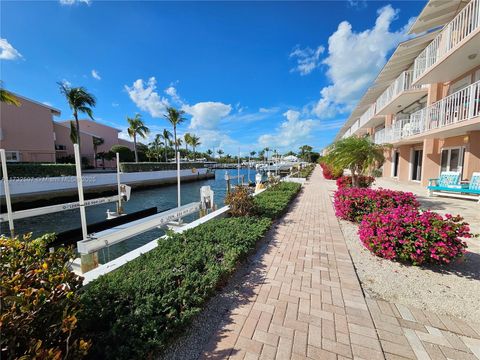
454, 50
400, 94
459, 108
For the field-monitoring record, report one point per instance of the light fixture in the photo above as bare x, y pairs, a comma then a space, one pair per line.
472, 56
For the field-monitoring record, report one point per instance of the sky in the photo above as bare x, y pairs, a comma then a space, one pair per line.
248, 75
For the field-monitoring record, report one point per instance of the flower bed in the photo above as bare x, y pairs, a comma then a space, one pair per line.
363, 181
329, 172
409, 235
353, 203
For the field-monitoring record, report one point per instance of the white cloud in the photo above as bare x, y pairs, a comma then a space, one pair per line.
292, 132
271, 110
354, 60
206, 115
211, 138
96, 75
72, 2
143, 94
115, 104
7, 51
307, 59
173, 93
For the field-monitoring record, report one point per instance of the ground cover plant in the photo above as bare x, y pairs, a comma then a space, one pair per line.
39, 301
409, 235
273, 202
353, 203
135, 310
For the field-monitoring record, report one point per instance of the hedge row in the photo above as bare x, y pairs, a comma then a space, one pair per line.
273, 202
136, 310
39, 170
157, 166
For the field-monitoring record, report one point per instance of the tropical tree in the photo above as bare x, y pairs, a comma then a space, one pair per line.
7, 97
358, 154
155, 145
175, 118
252, 153
209, 152
220, 153
80, 101
266, 150
195, 141
137, 127
306, 152
187, 139
96, 143
166, 136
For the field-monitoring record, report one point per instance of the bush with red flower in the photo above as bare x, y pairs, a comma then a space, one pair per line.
353, 203
329, 172
409, 235
363, 181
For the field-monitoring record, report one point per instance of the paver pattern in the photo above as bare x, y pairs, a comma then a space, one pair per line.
309, 303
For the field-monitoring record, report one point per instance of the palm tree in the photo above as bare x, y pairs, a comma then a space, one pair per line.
7, 97
220, 153
195, 141
187, 137
96, 143
166, 136
156, 144
80, 101
359, 154
267, 149
209, 153
137, 127
252, 153
175, 118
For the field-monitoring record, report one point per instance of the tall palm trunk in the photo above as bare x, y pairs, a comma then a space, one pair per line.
194, 154
135, 146
166, 155
77, 123
176, 144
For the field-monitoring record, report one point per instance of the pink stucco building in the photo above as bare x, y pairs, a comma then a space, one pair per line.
29, 133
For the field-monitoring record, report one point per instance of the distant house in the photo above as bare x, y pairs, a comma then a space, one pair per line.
29, 133
26, 131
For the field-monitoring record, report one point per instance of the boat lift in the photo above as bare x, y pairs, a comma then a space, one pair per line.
122, 196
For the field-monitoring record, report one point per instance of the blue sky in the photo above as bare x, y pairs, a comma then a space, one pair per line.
247, 74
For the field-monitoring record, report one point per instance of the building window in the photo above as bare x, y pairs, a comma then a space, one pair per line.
12, 156
452, 159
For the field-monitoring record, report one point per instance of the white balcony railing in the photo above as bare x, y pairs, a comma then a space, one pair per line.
460, 106
402, 83
367, 115
465, 23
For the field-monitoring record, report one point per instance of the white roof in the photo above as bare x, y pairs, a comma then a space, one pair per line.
436, 13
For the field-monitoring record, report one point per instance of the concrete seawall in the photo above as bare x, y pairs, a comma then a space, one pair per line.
33, 189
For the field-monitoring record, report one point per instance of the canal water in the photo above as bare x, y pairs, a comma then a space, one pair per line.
164, 198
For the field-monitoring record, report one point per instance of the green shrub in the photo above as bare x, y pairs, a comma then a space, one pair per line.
240, 202
26, 170
157, 166
124, 151
39, 301
274, 202
136, 309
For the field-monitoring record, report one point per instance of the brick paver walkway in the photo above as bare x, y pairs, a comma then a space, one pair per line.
309, 303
